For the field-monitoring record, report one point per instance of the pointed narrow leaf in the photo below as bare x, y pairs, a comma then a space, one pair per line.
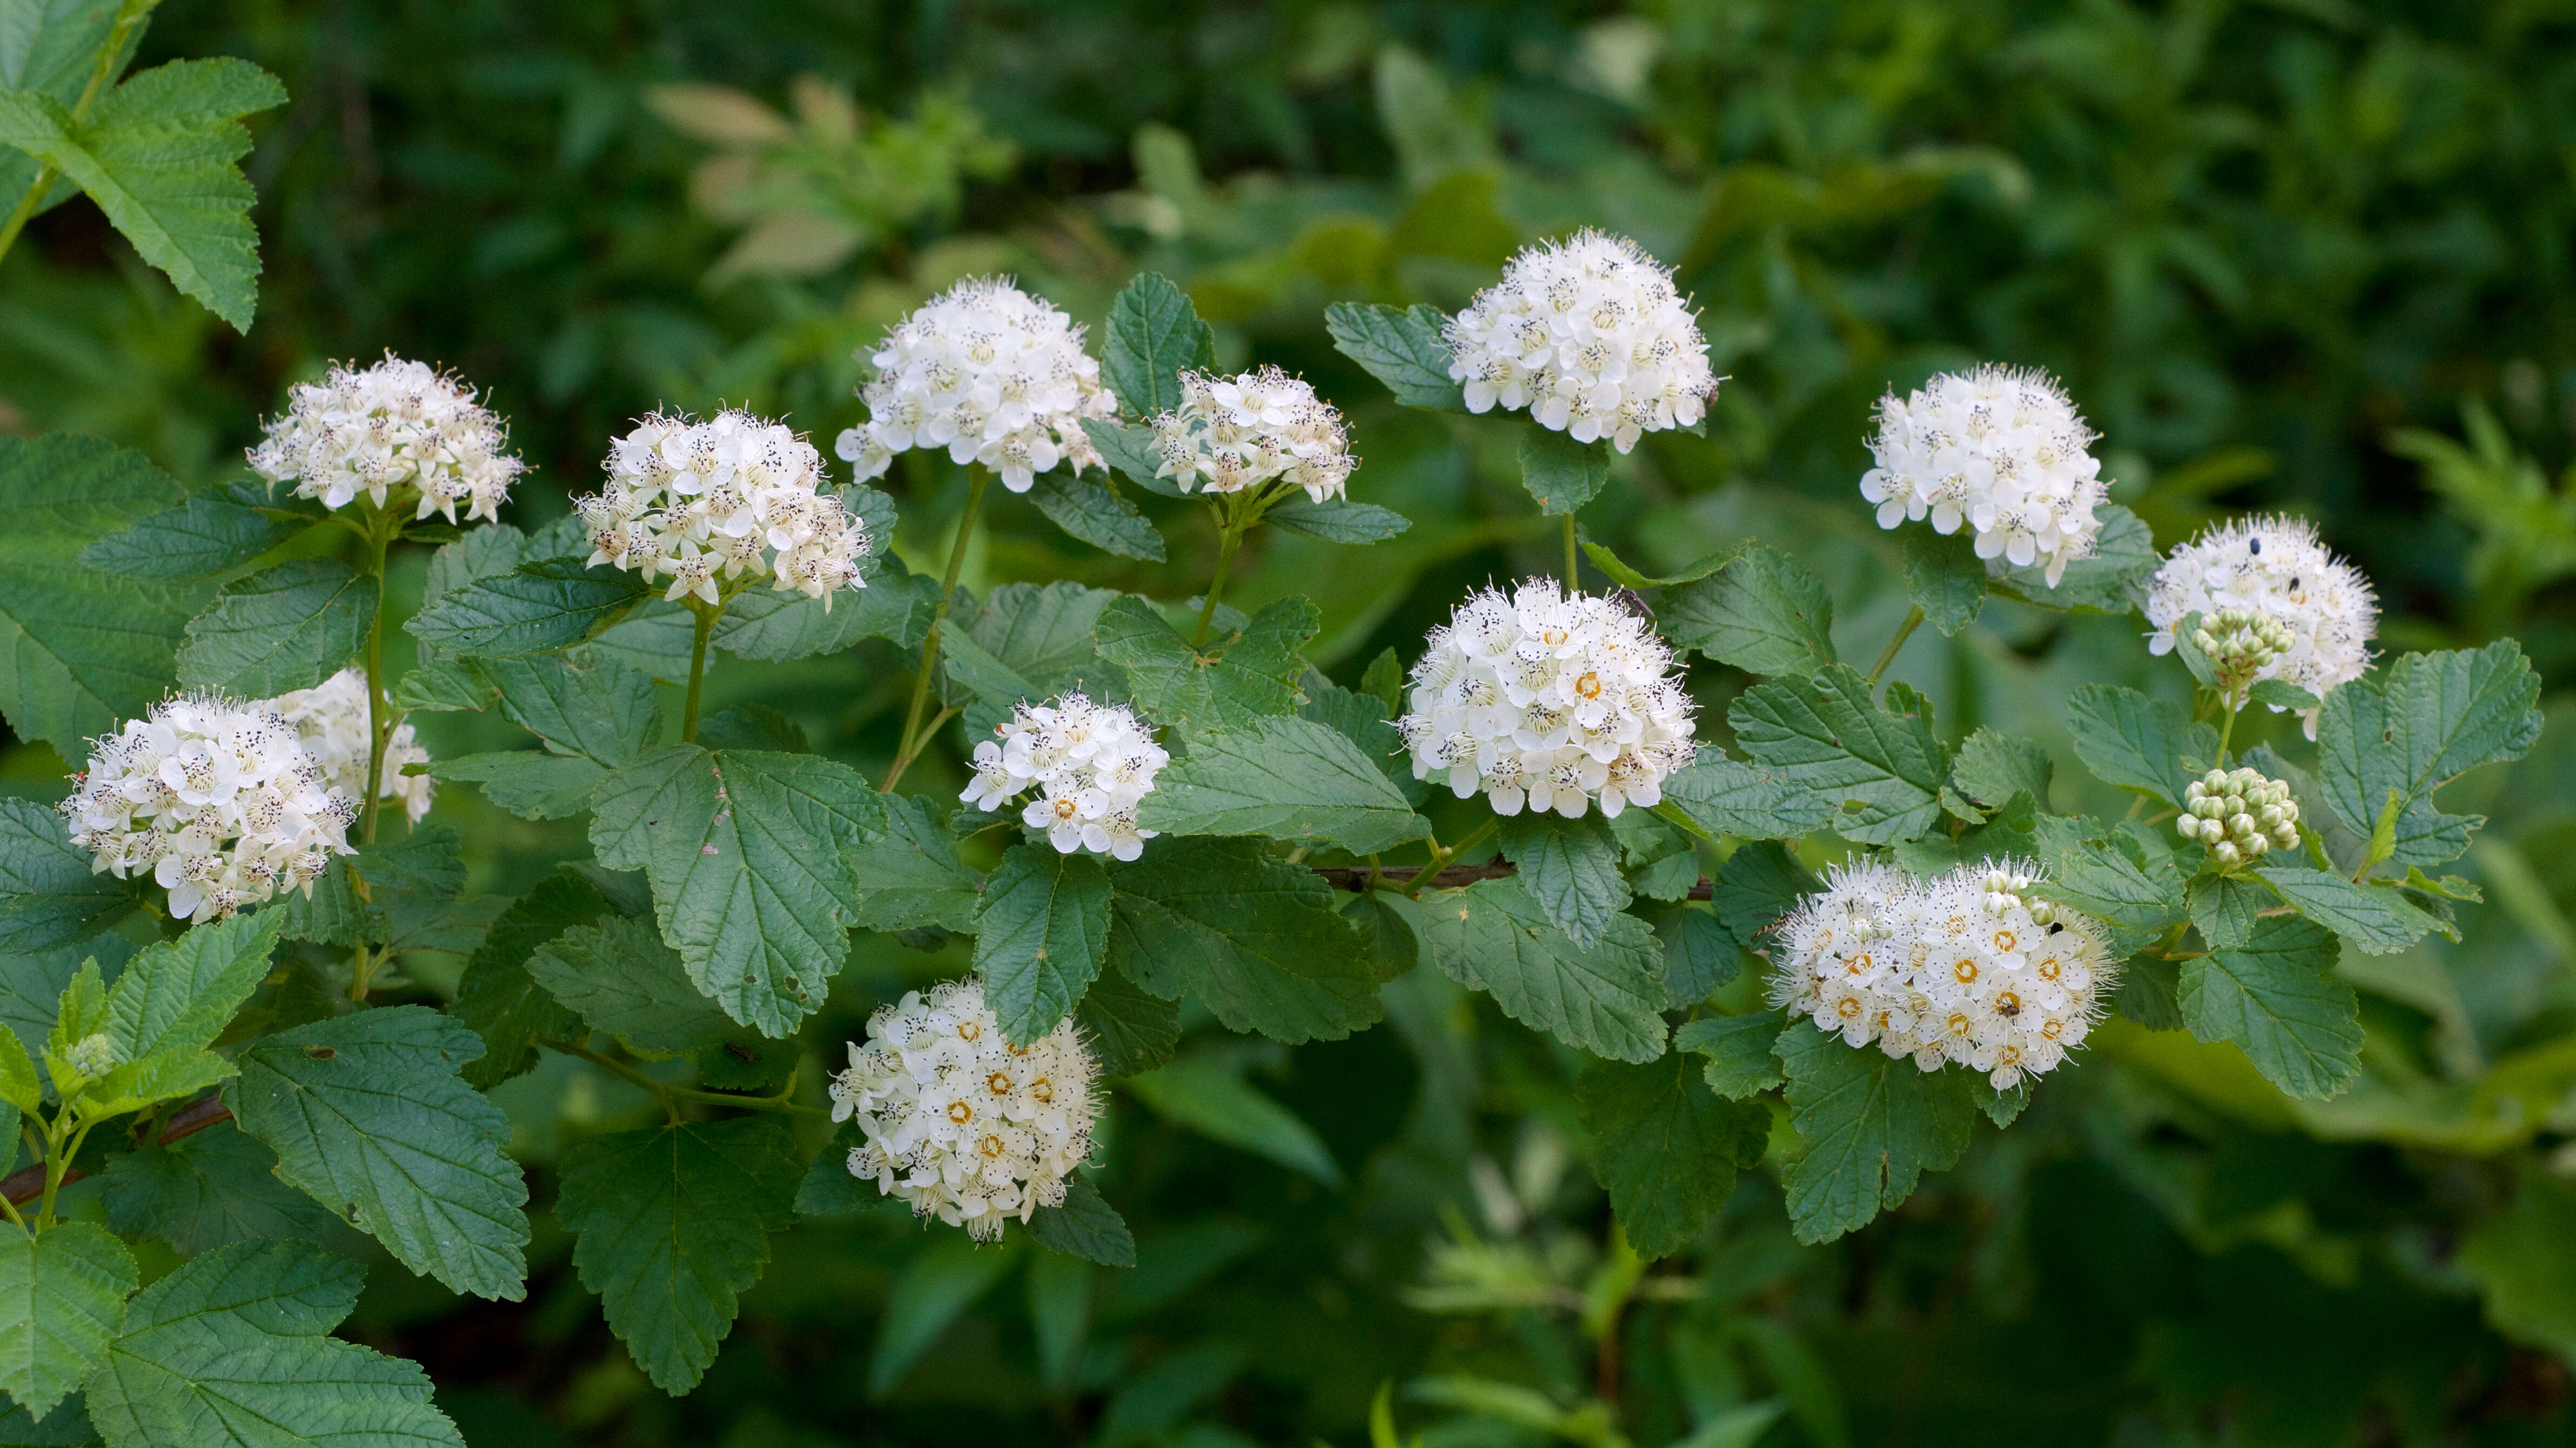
1337, 521
1220, 1105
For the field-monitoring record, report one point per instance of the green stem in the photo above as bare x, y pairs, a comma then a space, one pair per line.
380, 713
66, 1144
1440, 858
362, 970
913, 733
128, 15
1904, 631
669, 1093
2226, 730
1229, 537
707, 614
1570, 554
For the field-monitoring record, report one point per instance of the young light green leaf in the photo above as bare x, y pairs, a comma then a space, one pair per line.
2276, 997
61, 1297
1086, 1226
1041, 937
1738, 1048
1284, 777
157, 156
535, 608
1153, 335
2124, 553
288, 627
1254, 937
2092, 874
1337, 521
1129, 1029
1493, 937
1725, 796
1403, 349
208, 1189
748, 856
233, 1350
1220, 1105
2422, 722
1825, 734
80, 650
1945, 577
670, 1225
1088, 510
1992, 767
1571, 869
617, 975
1867, 1126
367, 1115
1763, 613
208, 534
911, 877
1669, 1149
1238, 677
2374, 920
180, 994
1559, 472
2148, 745
49, 896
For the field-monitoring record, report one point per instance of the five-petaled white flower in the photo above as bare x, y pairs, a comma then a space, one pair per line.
992, 374
1999, 450
1092, 765
1589, 335
379, 429
702, 503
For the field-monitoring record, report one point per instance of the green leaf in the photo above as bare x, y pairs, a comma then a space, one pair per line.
1041, 633
1220, 1105
1383, 680
204, 536
2124, 553
20, 1087
1992, 767
1130, 449
1945, 577
49, 897
206, 1190
911, 877
933, 1290
1153, 334
1738, 1048
1493, 937
1241, 676
1337, 521
1824, 734
1867, 1128
747, 854
1669, 1149
1405, 349
2523, 1259
2373, 920
80, 650
766, 624
367, 1115
535, 608
1091, 512
233, 1350
157, 156
2420, 723
619, 977
580, 703
1729, 797
1559, 472
1284, 777
2276, 997
2282, 694
1763, 613
2226, 908
170, 1003
670, 1225
973, 673
1041, 937
1129, 1030
51, 46
288, 627
1255, 938
1086, 1226
441, 686
61, 1298
530, 783
1570, 868
1699, 956
2088, 872
2148, 745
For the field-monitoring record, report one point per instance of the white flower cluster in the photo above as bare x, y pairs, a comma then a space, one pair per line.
981, 1130
703, 501
398, 423
2277, 568
1590, 336
990, 373
218, 800
1233, 433
1961, 968
1550, 699
2000, 449
331, 720
1092, 765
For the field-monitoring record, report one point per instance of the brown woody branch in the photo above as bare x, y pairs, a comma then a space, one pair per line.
25, 1185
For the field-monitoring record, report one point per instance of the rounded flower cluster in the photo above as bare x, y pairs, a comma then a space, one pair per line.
990, 373
1966, 968
2239, 814
377, 429
331, 720
1092, 765
1590, 336
218, 800
1999, 449
700, 502
2274, 567
1233, 433
1550, 699
961, 1123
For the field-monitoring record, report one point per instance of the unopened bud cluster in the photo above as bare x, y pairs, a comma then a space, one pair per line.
1233, 433
699, 502
2278, 568
379, 429
2239, 643
92, 1056
2239, 815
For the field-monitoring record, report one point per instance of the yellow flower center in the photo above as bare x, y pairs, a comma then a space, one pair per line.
960, 1112
998, 1083
1965, 969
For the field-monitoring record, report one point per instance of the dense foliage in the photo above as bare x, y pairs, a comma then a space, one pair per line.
531, 1094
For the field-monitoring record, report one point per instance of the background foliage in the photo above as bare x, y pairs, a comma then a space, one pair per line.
2311, 256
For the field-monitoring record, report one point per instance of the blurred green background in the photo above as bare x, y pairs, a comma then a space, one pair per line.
2310, 255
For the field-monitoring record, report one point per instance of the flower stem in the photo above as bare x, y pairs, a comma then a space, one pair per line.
2226, 730
913, 733
1440, 857
1570, 554
380, 712
1904, 631
1229, 537
707, 614
669, 1094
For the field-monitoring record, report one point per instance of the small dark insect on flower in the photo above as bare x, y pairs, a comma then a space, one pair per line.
1628, 599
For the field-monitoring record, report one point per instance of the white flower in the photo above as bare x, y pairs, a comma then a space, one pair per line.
331, 720
1589, 335
990, 373
1092, 765
704, 502
2000, 449
961, 1123
1964, 968
1548, 699
1232, 433
377, 429
2277, 568
220, 801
